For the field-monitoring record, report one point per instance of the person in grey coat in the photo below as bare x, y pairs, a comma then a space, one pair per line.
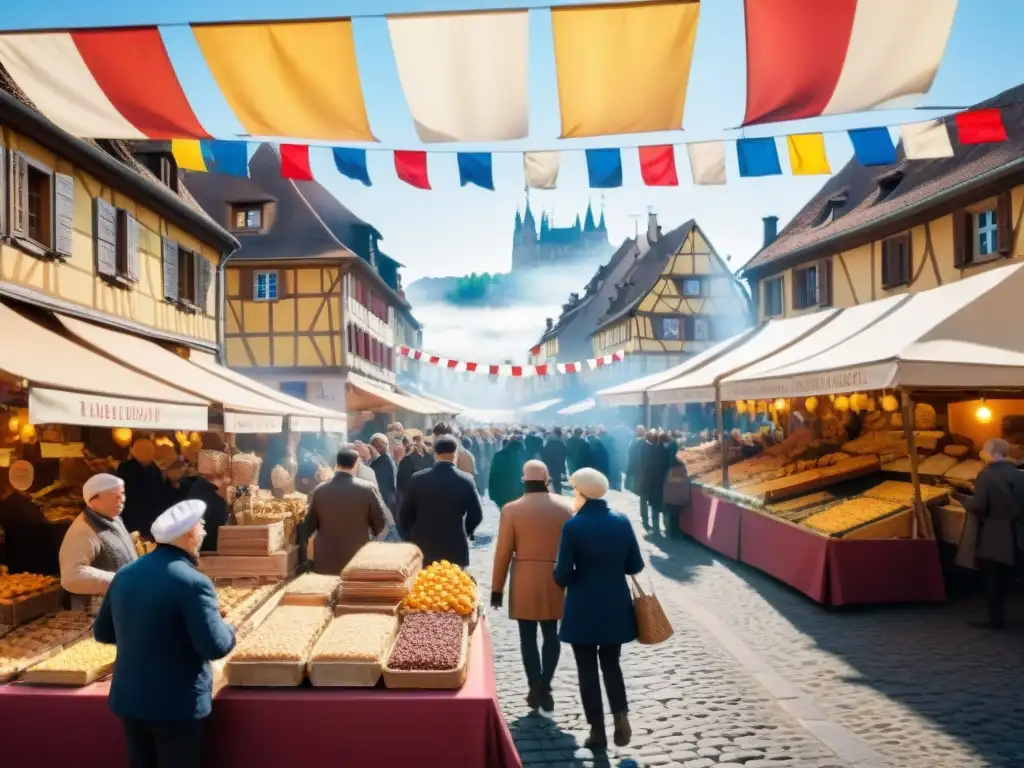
998, 504
344, 513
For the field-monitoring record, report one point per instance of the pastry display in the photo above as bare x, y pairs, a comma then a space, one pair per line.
428, 641
375, 591
237, 603
966, 471
87, 657
936, 465
850, 514
21, 647
903, 493
142, 546
384, 561
19, 586
288, 634
356, 637
442, 586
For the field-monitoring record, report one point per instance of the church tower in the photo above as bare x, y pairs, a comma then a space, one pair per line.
524, 240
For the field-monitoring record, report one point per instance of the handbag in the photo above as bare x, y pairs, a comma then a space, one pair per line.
652, 624
676, 492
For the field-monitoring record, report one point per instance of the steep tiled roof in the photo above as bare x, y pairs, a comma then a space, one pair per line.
866, 210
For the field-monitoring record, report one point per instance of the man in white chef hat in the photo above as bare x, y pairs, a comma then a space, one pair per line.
97, 544
162, 614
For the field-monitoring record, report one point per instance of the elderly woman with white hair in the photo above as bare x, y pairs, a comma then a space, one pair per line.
596, 554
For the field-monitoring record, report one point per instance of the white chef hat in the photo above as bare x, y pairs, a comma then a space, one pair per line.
178, 520
101, 483
589, 482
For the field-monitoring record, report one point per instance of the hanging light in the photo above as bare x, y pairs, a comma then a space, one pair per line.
983, 414
122, 436
13, 424
780, 404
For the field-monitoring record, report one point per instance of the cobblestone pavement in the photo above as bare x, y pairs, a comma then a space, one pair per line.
692, 702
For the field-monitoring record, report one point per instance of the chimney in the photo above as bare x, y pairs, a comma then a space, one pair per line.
549, 322
653, 230
771, 230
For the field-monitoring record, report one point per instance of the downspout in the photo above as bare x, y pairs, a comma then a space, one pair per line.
222, 306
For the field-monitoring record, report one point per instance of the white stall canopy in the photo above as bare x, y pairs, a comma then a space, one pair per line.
964, 335
699, 386
755, 382
581, 407
632, 392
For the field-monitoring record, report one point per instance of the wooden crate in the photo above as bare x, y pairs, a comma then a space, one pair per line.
265, 674
14, 613
390, 609
278, 564
250, 539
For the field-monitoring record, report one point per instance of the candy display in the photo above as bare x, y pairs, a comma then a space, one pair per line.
428, 642
384, 561
442, 586
288, 634
24, 645
356, 637
17, 586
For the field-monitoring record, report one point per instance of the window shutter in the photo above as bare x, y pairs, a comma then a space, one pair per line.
63, 214
907, 265
1004, 224
104, 234
3, 192
127, 245
19, 196
283, 284
204, 278
885, 262
963, 239
170, 257
246, 283
688, 330
825, 283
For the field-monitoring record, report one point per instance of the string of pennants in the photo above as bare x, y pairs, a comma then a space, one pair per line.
757, 157
619, 69
515, 371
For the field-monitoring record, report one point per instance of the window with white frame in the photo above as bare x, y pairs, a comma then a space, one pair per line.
264, 286
986, 232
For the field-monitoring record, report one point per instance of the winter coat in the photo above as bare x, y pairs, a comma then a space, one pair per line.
998, 503
440, 512
506, 479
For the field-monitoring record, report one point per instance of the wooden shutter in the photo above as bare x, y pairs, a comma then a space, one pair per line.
907, 262
687, 332
19, 195
963, 239
825, 283
63, 214
3, 192
104, 233
1004, 224
127, 245
283, 284
170, 258
246, 283
204, 279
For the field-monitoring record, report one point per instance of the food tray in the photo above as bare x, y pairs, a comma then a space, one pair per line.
385, 591
390, 609
431, 680
813, 479
403, 560
903, 493
250, 539
966, 471
311, 589
279, 564
265, 674
852, 514
349, 674
20, 611
66, 677
939, 464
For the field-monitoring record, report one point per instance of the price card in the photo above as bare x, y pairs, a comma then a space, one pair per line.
62, 450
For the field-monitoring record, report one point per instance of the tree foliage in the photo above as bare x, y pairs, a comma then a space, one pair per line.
475, 288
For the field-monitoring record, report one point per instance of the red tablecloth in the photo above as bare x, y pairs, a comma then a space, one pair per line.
885, 571
713, 522
252, 728
792, 555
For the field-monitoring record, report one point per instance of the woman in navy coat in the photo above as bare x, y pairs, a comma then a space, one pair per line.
598, 550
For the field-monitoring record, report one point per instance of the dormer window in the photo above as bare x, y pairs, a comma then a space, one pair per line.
888, 183
831, 210
168, 172
246, 217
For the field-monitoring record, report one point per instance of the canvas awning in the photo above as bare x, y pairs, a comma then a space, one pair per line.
539, 407
581, 407
369, 395
245, 412
699, 386
71, 384
963, 335
446, 406
632, 392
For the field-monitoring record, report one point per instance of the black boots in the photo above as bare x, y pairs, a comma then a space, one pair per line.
623, 732
597, 738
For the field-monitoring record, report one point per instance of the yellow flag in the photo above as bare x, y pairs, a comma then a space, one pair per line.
807, 154
623, 68
290, 79
188, 155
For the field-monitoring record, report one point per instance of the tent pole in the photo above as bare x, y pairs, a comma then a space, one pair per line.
647, 411
915, 477
720, 427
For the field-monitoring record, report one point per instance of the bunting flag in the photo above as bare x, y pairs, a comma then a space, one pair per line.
807, 58
188, 154
229, 157
658, 166
604, 168
980, 126
411, 167
707, 162
807, 154
464, 75
515, 371
296, 78
758, 157
475, 168
541, 169
295, 162
352, 163
623, 68
926, 141
873, 146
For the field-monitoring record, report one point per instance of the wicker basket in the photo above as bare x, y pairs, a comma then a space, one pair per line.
377, 591
390, 609
18, 612
265, 674
245, 469
447, 680
214, 463
349, 674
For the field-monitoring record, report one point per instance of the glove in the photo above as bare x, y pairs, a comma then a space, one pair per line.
496, 599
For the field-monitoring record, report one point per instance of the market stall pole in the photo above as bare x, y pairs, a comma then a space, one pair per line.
915, 475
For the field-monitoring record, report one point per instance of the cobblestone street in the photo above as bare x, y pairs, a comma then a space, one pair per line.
759, 676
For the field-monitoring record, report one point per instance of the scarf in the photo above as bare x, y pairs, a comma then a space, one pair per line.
116, 547
535, 486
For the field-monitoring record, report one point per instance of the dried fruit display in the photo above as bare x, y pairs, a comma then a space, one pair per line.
17, 586
850, 514
384, 561
428, 641
20, 647
86, 655
903, 493
442, 586
356, 637
288, 634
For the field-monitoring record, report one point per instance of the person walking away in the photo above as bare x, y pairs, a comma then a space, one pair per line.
385, 470
676, 490
162, 615
573, 446
213, 492
442, 509
998, 505
143, 487
97, 544
653, 471
597, 551
344, 513
554, 459
611, 452
633, 460
599, 458
463, 458
415, 460
527, 543
533, 444
504, 484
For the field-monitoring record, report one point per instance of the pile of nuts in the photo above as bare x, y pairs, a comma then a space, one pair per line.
314, 584
84, 656
288, 634
428, 642
356, 637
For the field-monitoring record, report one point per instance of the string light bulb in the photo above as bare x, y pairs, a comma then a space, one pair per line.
984, 413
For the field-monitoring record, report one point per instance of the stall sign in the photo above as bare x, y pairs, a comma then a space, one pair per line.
304, 424
52, 406
5, 457
337, 426
21, 475
61, 450
252, 423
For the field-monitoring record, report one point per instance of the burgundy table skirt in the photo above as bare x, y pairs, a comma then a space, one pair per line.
253, 728
829, 571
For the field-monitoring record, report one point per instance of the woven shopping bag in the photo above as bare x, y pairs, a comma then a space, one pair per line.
651, 622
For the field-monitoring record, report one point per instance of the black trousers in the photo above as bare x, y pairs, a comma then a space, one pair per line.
164, 745
588, 657
998, 578
650, 508
540, 665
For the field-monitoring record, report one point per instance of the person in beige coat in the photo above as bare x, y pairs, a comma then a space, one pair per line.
528, 537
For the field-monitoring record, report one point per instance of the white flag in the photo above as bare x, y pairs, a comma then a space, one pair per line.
707, 162
926, 141
541, 169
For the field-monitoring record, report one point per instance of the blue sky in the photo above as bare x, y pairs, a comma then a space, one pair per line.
453, 230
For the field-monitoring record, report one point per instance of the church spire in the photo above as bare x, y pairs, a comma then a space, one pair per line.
577, 224
588, 224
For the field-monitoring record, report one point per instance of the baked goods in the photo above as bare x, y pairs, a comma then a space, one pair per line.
238, 603
966, 471
17, 586
939, 464
903, 493
924, 416
832, 431
142, 546
20, 647
956, 451
442, 587
356, 637
288, 634
384, 561
428, 641
87, 655
314, 584
850, 514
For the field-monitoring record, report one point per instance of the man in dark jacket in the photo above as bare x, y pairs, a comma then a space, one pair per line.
998, 503
574, 446
386, 470
654, 464
506, 479
633, 460
162, 614
554, 458
143, 488
534, 444
442, 509
212, 491
599, 457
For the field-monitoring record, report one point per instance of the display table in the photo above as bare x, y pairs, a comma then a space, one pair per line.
295, 726
830, 571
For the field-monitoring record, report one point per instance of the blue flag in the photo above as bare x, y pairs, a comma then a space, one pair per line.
352, 163
758, 157
873, 146
604, 168
229, 157
475, 168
